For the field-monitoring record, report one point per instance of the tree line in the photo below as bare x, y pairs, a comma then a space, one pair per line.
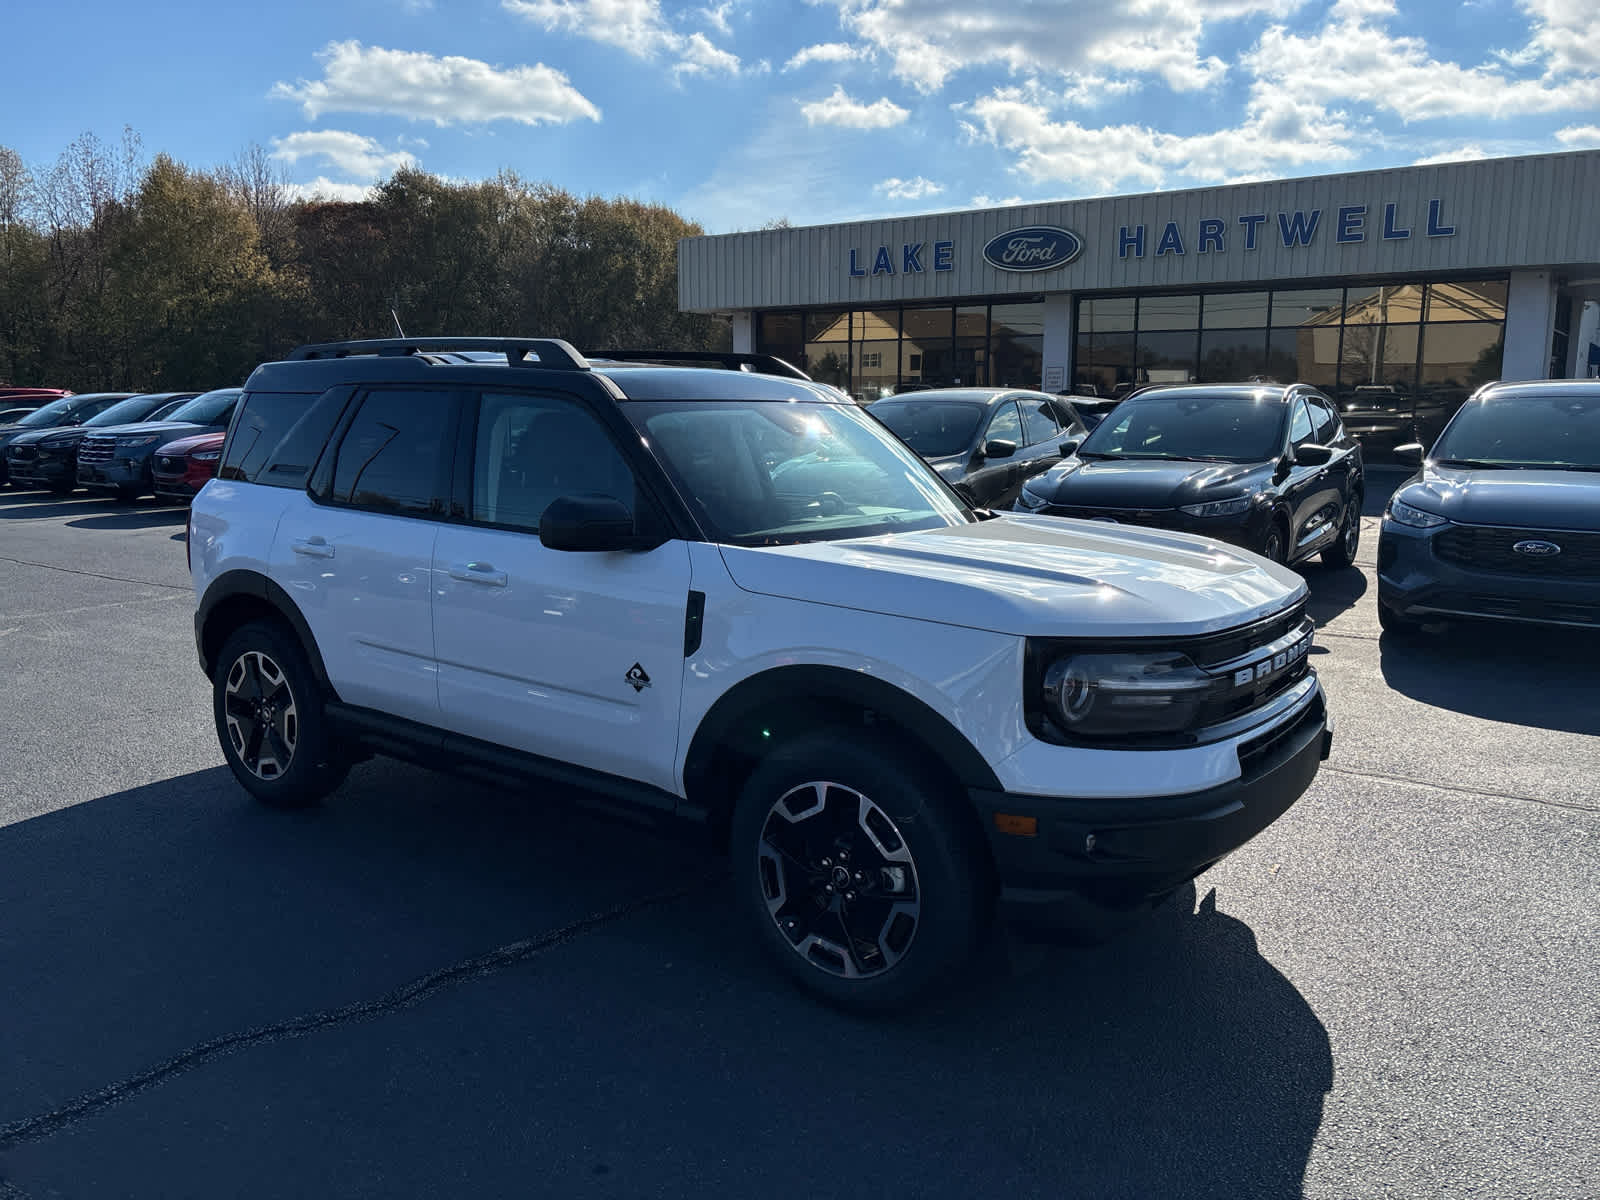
121, 274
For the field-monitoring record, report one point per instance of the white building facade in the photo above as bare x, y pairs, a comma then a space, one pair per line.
1402, 288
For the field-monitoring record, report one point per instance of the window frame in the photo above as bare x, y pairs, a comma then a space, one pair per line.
1299, 403
1046, 403
319, 485
999, 409
1316, 402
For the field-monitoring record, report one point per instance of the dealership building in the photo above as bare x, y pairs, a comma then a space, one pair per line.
1412, 285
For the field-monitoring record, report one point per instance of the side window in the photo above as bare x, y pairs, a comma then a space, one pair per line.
1005, 425
278, 436
1327, 421
95, 407
531, 450
393, 457
1038, 421
1300, 427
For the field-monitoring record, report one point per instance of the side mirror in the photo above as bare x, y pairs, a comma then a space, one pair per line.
1409, 455
998, 448
1312, 455
589, 523
1069, 447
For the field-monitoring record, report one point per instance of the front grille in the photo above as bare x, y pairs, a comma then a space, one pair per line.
1516, 608
95, 451
1488, 548
1155, 517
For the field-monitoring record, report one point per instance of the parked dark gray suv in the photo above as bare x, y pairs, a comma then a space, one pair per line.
119, 458
1502, 521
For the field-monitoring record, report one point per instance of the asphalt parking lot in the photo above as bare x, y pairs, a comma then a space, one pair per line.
429, 988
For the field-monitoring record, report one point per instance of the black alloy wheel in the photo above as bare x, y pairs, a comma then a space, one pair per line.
1343, 552
1274, 547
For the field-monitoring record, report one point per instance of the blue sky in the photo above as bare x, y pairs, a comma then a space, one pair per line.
737, 112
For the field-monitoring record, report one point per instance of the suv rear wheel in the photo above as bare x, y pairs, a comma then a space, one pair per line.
269, 718
1343, 552
861, 880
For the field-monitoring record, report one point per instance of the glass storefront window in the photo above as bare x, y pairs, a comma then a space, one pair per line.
1309, 354
874, 353
782, 334
929, 348
972, 346
827, 351
1235, 310
1105, 315
1169, 312
1480, 300
1383, 304
1166, 357
1233, 355
1022, 320
1457, 357
1306, 306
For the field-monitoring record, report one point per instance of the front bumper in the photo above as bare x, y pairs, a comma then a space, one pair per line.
176, 487
38, 472
1414, 582
1123, 852
116, 474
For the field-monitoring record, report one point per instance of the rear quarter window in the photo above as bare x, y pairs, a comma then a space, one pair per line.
278, 436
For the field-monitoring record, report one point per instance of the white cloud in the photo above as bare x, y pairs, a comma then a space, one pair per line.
908, 189
982, 201
323, 188
839, 109
350, 153
1579, 136
413, 84
1279, 130
826, 52
927, 41
1355, 58
1459, 154
717, 17
638, 27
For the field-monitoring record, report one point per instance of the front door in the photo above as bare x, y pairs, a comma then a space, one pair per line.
572, 656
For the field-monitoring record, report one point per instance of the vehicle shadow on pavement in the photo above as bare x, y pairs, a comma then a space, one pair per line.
226, 992
1334, 590
152, 518
37, 506
1521, 675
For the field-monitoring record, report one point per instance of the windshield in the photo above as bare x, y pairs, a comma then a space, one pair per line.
212, 408
1189, 426
124, 412
1552, 430
933, 429
771, 473
47, 415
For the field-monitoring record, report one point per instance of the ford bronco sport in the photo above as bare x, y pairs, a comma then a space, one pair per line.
733, 596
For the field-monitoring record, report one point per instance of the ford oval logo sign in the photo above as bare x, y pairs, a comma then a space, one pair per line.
1035, 248
1537, 549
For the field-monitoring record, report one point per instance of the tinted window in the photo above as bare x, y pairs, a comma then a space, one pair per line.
1561, 430
1005, 425
209, 408
393, 456
1190, 425
278, 436
1038, 421
48, 415
127, 412
1300, 428
1326, 420
531, 450
933, 429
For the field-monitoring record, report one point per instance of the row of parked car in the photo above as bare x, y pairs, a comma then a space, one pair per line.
163, 443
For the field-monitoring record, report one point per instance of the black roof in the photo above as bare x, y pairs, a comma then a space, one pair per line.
987, 396
1240, 391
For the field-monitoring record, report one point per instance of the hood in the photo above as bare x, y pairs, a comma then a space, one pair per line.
1147, 483
24, 437
171, 428
193, 441
1517, 498
1030, 576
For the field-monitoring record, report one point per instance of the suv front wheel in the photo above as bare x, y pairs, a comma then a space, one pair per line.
269, 717
856, 870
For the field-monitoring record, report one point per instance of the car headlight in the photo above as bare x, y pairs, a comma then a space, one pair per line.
1108, 695
1030, 500
136, 443
1404, 514
206, 455
1218, 508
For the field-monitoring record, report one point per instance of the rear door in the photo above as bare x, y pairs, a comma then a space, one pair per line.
1343, 473
355, 550
1313, 500
992, 480
568, 655
1043, 434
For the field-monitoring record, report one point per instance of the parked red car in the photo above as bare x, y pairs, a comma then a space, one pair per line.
180, 469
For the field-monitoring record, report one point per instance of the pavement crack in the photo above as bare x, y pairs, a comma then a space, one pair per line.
25, 562
1464, 791
44, 1124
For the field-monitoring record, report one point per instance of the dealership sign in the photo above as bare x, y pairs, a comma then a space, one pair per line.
1036, 248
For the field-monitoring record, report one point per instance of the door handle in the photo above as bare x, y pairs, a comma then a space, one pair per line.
314, 547
478, 572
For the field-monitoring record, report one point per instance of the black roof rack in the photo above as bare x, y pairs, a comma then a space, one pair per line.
519, 352
765, 364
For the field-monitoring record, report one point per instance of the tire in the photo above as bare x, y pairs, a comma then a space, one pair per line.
1392, 622
295, 765
1276, 544
1343, 552
832, 828
64, 487
127, 494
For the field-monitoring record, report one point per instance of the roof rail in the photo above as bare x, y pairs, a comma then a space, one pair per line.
765, 364
519, 352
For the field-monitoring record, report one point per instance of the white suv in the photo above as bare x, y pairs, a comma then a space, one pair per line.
733, 596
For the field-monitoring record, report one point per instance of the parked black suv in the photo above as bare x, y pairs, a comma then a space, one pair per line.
58, 414
49, 458
1264, 466
120, 458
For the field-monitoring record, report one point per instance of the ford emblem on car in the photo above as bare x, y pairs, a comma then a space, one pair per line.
1034, 248
1537, 549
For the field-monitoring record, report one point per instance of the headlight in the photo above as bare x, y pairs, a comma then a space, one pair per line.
1403, 514
1030, 500
206, 455
1218, 508
135, 443
1108, 695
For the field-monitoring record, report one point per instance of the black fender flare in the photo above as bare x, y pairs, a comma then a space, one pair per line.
231, 585
811, 683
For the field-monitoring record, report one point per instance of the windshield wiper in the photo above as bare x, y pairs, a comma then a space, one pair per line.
1472, 463
1097, 454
